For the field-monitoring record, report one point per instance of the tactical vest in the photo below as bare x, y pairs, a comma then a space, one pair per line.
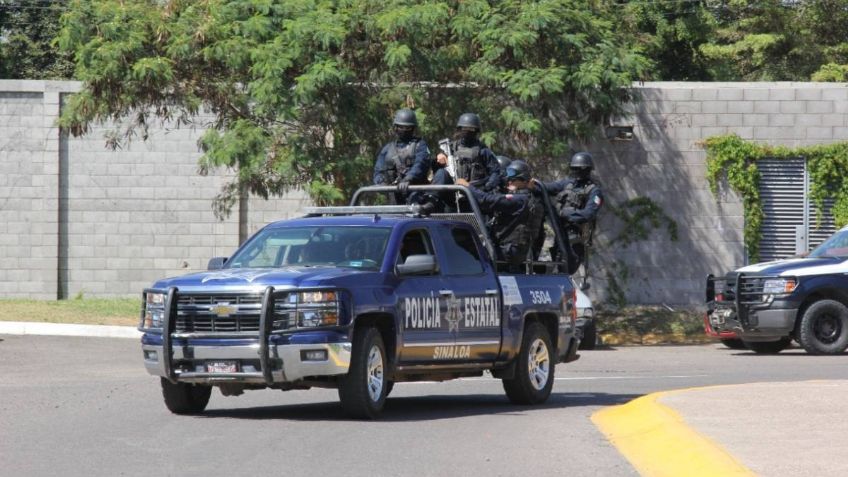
518, 234
400, 160
576, 198
469, 163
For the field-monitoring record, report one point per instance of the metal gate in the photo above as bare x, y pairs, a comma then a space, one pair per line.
789, 222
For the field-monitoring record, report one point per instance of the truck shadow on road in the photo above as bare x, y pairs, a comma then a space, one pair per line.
424, 408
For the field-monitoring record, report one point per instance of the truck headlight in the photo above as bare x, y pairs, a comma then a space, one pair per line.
316, 308
779, 286
153, 310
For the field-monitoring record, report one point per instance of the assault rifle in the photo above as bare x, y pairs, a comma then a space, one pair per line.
445, 147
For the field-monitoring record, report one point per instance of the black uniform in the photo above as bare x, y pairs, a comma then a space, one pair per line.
517, 219
403, 161
577, 202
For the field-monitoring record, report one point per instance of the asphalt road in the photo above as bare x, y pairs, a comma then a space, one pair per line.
85, 406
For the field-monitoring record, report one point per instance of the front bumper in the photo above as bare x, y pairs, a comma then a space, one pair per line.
286, 363
252, 358
742, 307
762, 324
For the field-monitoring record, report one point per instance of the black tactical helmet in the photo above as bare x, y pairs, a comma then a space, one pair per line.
582, 160
405, 117
518, 169
469, 120
504, 163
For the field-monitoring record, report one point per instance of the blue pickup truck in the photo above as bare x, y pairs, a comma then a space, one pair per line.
359, 298
769, 304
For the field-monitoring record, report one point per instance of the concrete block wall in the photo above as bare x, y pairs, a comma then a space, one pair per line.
76, 217
665, 163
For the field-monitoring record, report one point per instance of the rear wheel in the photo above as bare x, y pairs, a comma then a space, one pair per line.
769, 347
824, 328
363, 390
733, 343
534, 368
184, 398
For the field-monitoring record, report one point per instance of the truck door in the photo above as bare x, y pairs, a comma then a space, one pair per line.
473, 294
420, 307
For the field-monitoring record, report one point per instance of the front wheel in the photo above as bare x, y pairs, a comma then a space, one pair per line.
363, 390
824, 328
534, 368
184, 398
769, 347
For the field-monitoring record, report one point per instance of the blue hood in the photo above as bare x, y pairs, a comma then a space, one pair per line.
257, 278
801, 266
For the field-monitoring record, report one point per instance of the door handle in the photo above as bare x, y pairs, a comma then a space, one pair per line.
491, 291
445, 292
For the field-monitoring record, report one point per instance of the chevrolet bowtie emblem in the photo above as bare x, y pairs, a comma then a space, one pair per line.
222, 310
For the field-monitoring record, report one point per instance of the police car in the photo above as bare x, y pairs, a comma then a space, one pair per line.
769, 304
359, 298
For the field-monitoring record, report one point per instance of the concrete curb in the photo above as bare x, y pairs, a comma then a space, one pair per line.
658, 442
60, 329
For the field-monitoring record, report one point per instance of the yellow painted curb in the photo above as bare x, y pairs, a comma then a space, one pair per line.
657, 441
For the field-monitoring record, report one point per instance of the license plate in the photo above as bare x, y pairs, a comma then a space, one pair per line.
222, 367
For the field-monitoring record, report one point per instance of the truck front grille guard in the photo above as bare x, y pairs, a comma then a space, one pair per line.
266, 321
747, 292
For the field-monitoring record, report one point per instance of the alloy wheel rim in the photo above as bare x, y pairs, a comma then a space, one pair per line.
375, 373
539, 363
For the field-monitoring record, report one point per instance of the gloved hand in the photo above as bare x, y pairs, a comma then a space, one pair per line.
427, 208
403, 187
565, 212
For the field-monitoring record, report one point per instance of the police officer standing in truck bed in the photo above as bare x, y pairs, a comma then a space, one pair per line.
406, 160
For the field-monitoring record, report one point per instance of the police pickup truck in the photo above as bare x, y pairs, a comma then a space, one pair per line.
360, 298
769, 304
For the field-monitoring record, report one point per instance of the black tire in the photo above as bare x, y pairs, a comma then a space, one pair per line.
590, 336
389, 386
534, 368
769, 347
733, 343
363, 389
824, 328
184, 398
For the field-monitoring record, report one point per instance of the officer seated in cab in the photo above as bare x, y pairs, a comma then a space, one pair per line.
518, 215
406, 160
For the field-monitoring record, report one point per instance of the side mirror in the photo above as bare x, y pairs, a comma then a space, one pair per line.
217, 263
418, 265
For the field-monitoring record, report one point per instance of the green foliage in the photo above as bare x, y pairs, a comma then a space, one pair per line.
26, 52
638, 214
669, 33
301, 92
831, 72
648, 325
733, 159
737, 40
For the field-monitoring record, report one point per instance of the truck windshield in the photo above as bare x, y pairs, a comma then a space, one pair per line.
835, 246
341, 246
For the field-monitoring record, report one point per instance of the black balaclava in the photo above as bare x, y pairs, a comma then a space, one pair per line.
580, 174
405, 135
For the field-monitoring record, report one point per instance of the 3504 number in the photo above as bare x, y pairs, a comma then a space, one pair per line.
539, 297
